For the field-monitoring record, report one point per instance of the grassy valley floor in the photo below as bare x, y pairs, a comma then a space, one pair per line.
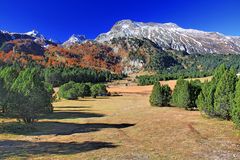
122, 127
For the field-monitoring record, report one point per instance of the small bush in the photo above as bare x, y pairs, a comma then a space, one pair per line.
67, 90
72, 90
83, 90
98, 90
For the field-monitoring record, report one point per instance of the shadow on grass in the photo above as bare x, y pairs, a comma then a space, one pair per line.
70, 107
57, 128
70, 110
25, 149
70, 115
87, 100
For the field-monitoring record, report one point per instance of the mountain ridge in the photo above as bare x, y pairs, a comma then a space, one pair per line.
171, 36
165, 35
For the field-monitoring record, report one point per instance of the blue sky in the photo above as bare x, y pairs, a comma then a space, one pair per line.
59, 19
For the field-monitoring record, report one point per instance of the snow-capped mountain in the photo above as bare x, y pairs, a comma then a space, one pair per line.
35, 34
74, 39
171, 36
32, 35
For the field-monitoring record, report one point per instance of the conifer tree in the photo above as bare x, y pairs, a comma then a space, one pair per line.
235, 112
181, 97
166, 95
232, 78
205, 99
218, 73
194, 91
223, 97
156, 98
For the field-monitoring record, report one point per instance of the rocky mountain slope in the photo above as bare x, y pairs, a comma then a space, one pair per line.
171, 36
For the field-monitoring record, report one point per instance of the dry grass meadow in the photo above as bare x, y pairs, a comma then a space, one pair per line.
122, 127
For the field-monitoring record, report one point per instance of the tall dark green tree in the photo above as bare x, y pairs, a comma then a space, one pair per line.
206, 99
235, 112
223, 97
166, 94
181, 96
160, 95
219, 71
156, 98
194, 91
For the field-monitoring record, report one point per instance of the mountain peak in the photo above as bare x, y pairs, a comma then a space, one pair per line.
77, 38
124, 21
74, 39
35, 34
171, 25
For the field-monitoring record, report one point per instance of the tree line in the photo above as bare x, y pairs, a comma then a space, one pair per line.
151, 79
60, 75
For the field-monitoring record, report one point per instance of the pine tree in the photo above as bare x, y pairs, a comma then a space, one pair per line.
194, 91
205, 99
181, 97
223, 97
156, 98
218, 73
166, 95
235, 112
232, 78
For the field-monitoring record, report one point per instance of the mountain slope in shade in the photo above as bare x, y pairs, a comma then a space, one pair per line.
171, 36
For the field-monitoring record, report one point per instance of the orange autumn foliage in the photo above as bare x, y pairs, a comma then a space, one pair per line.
89, 54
